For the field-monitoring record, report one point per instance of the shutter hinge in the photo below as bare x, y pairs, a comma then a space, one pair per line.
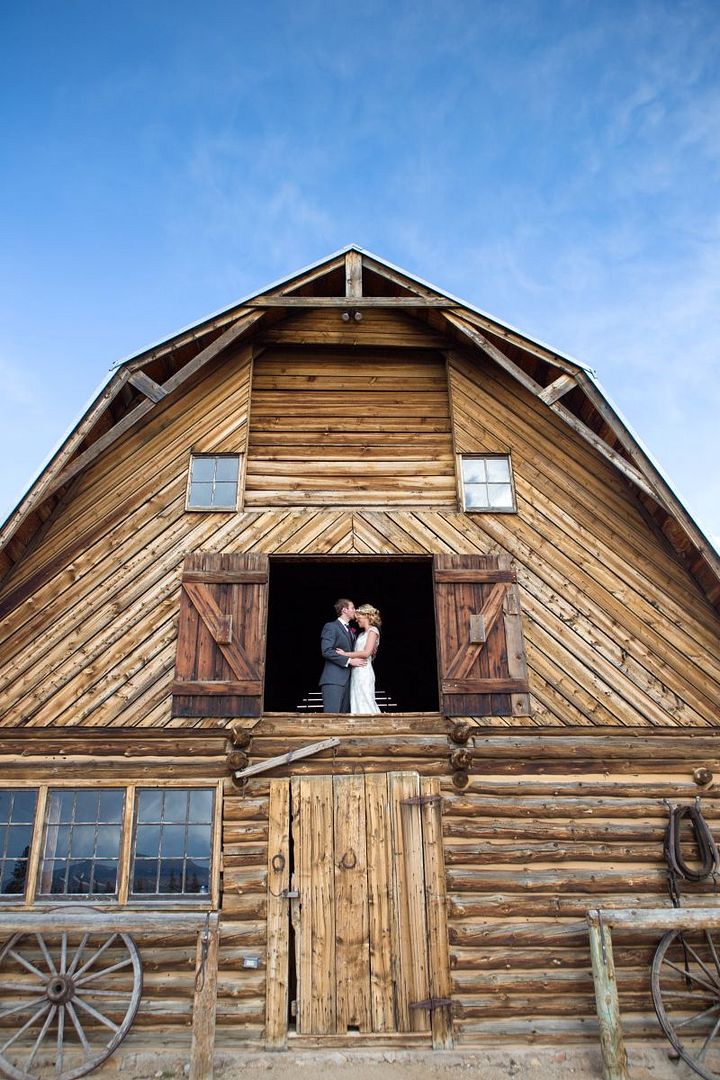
430, 1003
421, 800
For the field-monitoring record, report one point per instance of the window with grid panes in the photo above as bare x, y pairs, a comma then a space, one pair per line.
487, 482
214, 482
17, 814
82, 842
173, 842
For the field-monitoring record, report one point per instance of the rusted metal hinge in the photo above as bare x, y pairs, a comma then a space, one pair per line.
421, 800
430, 1003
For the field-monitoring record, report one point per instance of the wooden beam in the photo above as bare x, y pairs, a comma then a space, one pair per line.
663, 919
612, 1045
284, 759
353, 274
277, 301
170, 924
173, 383
147, 386
625, 467
45, 485
205, 1001
557, 389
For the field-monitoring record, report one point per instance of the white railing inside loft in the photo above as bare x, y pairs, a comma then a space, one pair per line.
313, 702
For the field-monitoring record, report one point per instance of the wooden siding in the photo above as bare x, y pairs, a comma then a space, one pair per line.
344, 427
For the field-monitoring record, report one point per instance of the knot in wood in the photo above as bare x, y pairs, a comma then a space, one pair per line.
702, 776
237, 759
461, 759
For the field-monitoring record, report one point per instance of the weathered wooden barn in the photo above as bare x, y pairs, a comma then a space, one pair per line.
550, 665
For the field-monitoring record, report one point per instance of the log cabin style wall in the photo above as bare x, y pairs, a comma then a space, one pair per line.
578, 649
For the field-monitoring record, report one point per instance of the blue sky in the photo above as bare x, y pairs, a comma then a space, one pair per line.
555, 163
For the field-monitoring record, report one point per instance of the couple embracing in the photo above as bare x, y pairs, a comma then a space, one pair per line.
348, 678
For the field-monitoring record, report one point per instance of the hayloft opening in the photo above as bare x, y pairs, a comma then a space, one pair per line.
302, 594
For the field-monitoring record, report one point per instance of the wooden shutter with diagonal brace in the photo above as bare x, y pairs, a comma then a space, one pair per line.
481, 656
220, 661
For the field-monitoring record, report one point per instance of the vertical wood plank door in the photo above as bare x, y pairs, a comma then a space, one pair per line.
369, 926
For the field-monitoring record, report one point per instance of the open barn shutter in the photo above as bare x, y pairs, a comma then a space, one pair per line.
220, 662
480, 645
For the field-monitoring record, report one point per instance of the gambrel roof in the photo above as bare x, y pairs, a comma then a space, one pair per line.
352, 280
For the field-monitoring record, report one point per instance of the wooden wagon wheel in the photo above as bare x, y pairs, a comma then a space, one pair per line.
67, 1000
686, 995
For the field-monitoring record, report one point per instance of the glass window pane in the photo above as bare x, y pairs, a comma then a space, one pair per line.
198, 840
86, 805
58, 869
476, 495
6, 798
225, 495
474, 470
147, 841
197, 876
176, 803
498, 470
62, 805
201, 805
227, 469
18, 841
57, 842
173, 841
104, 879
500, 495
82, 842
200, 495
3, 839
107, 844
79, 875
170, 876
149, 805
12, 876
145, 876
111, 806
23, 806
202, 469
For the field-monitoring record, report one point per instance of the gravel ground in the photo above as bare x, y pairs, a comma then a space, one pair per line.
539, 1063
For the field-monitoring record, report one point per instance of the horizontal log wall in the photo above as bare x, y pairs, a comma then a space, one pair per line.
341, 428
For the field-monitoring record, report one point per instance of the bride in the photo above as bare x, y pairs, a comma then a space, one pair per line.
362, 680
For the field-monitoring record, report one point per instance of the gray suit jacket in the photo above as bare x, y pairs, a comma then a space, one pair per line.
336, 668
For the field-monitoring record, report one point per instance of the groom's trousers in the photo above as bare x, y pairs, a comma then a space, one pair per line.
336, 697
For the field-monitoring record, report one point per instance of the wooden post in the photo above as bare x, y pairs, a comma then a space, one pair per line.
278, 927
608, 1009
204, 1004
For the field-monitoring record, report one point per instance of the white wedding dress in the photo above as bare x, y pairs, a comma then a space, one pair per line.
362, 681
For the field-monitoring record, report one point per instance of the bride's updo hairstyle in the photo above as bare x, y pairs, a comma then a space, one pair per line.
372, 613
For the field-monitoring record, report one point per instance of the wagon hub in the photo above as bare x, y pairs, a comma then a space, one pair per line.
60, 989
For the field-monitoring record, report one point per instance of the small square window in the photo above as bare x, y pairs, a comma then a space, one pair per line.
173, 843
487, 483
213, 482
17, 813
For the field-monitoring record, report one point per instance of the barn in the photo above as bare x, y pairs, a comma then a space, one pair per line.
190, 849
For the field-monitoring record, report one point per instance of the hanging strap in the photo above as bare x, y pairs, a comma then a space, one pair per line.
677, 867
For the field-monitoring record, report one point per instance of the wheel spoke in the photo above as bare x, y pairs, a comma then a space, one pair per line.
48, 958
63, 952
18, 1008
702, 965
96, 955
698, 1016
98, 1015
78, 954
21, 988
690, 975
43, 1032
60, 1042
713, 950
682, 993
21, 1031
26, 964
105, 971
92, 992
709, 1039
79, 1028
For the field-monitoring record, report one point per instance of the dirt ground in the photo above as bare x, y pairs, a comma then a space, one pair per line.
539, 1063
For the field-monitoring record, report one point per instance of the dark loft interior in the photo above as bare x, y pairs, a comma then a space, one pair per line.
302, 595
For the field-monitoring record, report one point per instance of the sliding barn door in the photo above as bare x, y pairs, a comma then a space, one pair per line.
369, 922
481, 657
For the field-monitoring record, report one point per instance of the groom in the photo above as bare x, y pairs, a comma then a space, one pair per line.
335, 678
